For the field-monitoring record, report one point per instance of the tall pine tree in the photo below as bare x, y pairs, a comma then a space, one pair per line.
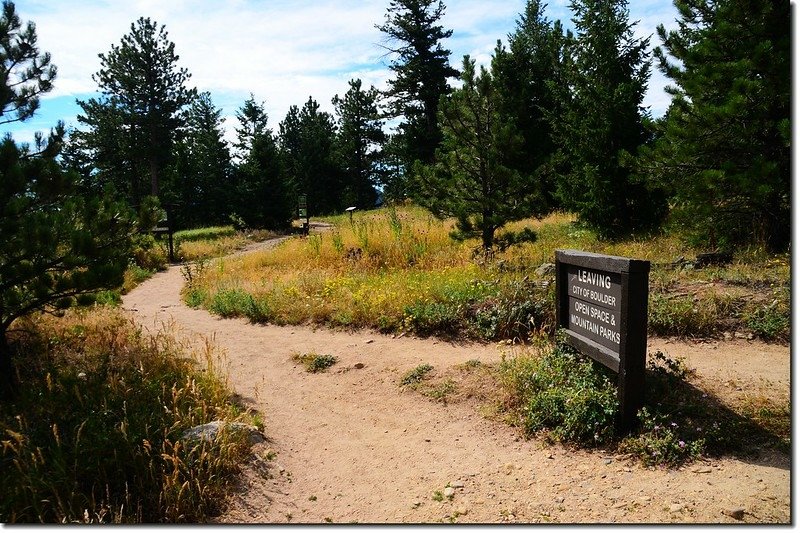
725, 146
204, 166
263, 196
603, 126
472, 179
421, 70
530, 80
131, 127
359, 142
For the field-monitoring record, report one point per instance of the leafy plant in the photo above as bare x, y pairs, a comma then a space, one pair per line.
315, 362
416, 375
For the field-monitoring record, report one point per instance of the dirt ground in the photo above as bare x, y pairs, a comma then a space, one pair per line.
350, 445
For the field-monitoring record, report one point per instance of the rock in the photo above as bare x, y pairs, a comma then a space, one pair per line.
461, 511
415, 504
368, 341
702, 470
740, 335
559, 499
609, 461
676, 508
449, 492
545, 269
209, 431
358, 365
736, 513
458, 484
508, 468
727, 336
750, 336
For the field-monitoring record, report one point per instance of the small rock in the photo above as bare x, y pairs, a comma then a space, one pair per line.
559, 499
82, 375
209, 431
458, 484
676, 508
368, 341
619, 505
736, 513
415, 504
740, 335
550, 456
427, 440
609, 461
702, 470
508, 468
461, 511
545, 269
727, 336
358, 365
750, 336
449, 492
644, 499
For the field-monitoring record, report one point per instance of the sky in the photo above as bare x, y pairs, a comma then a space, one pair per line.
281, 51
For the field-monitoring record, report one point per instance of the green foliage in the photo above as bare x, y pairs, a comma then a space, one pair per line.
94, 435
472, 180
770, 322
416, 375
421, 70
358, 142
527, 76
264, 197
565, 394
314, 362
603, 127
203, 234
131, 127
520, 309
724, 151
27, 73
204, 167
307, 141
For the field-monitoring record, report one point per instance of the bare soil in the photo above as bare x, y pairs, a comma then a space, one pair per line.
351, 445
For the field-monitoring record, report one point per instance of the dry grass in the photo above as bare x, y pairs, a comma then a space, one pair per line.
94, 435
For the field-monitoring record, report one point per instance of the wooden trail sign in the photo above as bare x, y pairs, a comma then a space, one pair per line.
601, 304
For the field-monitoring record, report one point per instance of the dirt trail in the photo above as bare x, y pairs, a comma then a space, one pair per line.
353, 447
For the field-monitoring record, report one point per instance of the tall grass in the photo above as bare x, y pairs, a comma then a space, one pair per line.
397, 269
95, 434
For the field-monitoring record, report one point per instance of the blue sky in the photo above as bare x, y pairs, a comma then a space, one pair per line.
280, 50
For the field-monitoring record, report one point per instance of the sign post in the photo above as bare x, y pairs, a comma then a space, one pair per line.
601, 304
302, 213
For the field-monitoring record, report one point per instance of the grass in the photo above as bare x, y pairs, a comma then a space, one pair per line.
397, 270
94, 435
314, 362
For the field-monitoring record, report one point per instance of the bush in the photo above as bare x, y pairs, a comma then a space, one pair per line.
569, 397
315, 362
95, 434
416, 375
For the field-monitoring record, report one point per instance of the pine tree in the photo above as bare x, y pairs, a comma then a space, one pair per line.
132, 126
263, 196
421, 71
359, 141
603, 126
472, 180
57, 246
307, 139
530, 79
204, 166
21, 88
725, 146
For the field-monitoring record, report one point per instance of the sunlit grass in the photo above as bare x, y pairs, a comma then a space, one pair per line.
398, 269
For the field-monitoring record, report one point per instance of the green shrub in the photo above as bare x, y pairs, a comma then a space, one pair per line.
149, 254
203, 234
428, 318
564, 394
315, 362
231, 303
416, 375
770, 322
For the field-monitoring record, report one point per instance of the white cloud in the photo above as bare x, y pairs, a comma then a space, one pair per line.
280, 50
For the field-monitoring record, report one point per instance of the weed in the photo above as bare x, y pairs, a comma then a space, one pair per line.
440, 391
95, 434
415, 376
438, 496
315, 362
770, 321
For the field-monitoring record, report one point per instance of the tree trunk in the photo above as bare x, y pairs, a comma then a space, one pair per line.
8, 378
488, 238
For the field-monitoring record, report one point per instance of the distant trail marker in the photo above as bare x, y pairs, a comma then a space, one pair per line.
601, 303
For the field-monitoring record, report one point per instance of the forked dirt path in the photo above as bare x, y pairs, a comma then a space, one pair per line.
353, 447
